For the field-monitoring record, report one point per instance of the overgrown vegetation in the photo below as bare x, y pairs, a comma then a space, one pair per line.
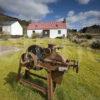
82, 86
36, 35
4, 36
88, 36
95, 44
85, 40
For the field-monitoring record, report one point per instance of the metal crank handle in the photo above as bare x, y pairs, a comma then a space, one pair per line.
75, 66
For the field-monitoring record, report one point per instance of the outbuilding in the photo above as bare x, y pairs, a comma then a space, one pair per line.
11, 27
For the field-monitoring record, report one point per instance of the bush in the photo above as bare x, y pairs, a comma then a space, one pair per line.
5, 36
88, 36
85, 44
16, 36
59, 37
95, 44
76, 40
36, 35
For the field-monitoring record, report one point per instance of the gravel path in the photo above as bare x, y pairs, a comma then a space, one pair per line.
8, 49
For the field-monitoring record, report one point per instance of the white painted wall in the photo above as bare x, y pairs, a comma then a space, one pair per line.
30, 32
38, 31
6, 29
16, 29
54, 33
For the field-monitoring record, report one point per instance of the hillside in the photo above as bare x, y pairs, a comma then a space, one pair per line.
7, 18
91, 29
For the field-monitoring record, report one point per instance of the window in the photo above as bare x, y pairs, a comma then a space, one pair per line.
33, 31
0, 29
59, 31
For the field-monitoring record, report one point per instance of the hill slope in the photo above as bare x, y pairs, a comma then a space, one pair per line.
91, 29
7, 18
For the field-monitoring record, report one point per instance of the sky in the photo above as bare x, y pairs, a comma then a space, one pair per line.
78, 13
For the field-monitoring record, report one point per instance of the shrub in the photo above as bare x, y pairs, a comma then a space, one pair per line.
95, 44
76, 40
85, 44
5, 36
59, 37
88, 36
36, 35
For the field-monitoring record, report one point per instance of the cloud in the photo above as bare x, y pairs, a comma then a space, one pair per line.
27, 9
1, 11
83, 19
83, 1
70, 13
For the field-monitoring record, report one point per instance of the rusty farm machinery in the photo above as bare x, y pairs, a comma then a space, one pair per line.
38, 58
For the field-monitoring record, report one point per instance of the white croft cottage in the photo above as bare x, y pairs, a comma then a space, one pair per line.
11, 28
48, 29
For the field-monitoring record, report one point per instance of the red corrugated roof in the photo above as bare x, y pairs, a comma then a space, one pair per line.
47, 25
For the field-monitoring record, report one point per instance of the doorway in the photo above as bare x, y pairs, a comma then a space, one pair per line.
46, 33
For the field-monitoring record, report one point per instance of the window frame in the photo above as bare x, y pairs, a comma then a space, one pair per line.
59, 31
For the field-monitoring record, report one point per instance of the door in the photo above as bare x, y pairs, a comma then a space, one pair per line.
46, 33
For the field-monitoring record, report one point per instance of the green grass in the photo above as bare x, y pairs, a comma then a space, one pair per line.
82, 86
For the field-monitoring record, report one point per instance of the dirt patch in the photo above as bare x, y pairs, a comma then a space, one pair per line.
8, 49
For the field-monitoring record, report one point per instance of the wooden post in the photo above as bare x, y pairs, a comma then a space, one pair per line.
27, 73
19, 72
50, 86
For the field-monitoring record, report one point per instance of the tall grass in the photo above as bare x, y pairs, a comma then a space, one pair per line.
82, 86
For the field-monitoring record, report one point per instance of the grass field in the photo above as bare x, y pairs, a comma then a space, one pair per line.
82, 86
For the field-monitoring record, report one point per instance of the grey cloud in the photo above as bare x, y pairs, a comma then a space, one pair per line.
83, 1
27, 9
83, 19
